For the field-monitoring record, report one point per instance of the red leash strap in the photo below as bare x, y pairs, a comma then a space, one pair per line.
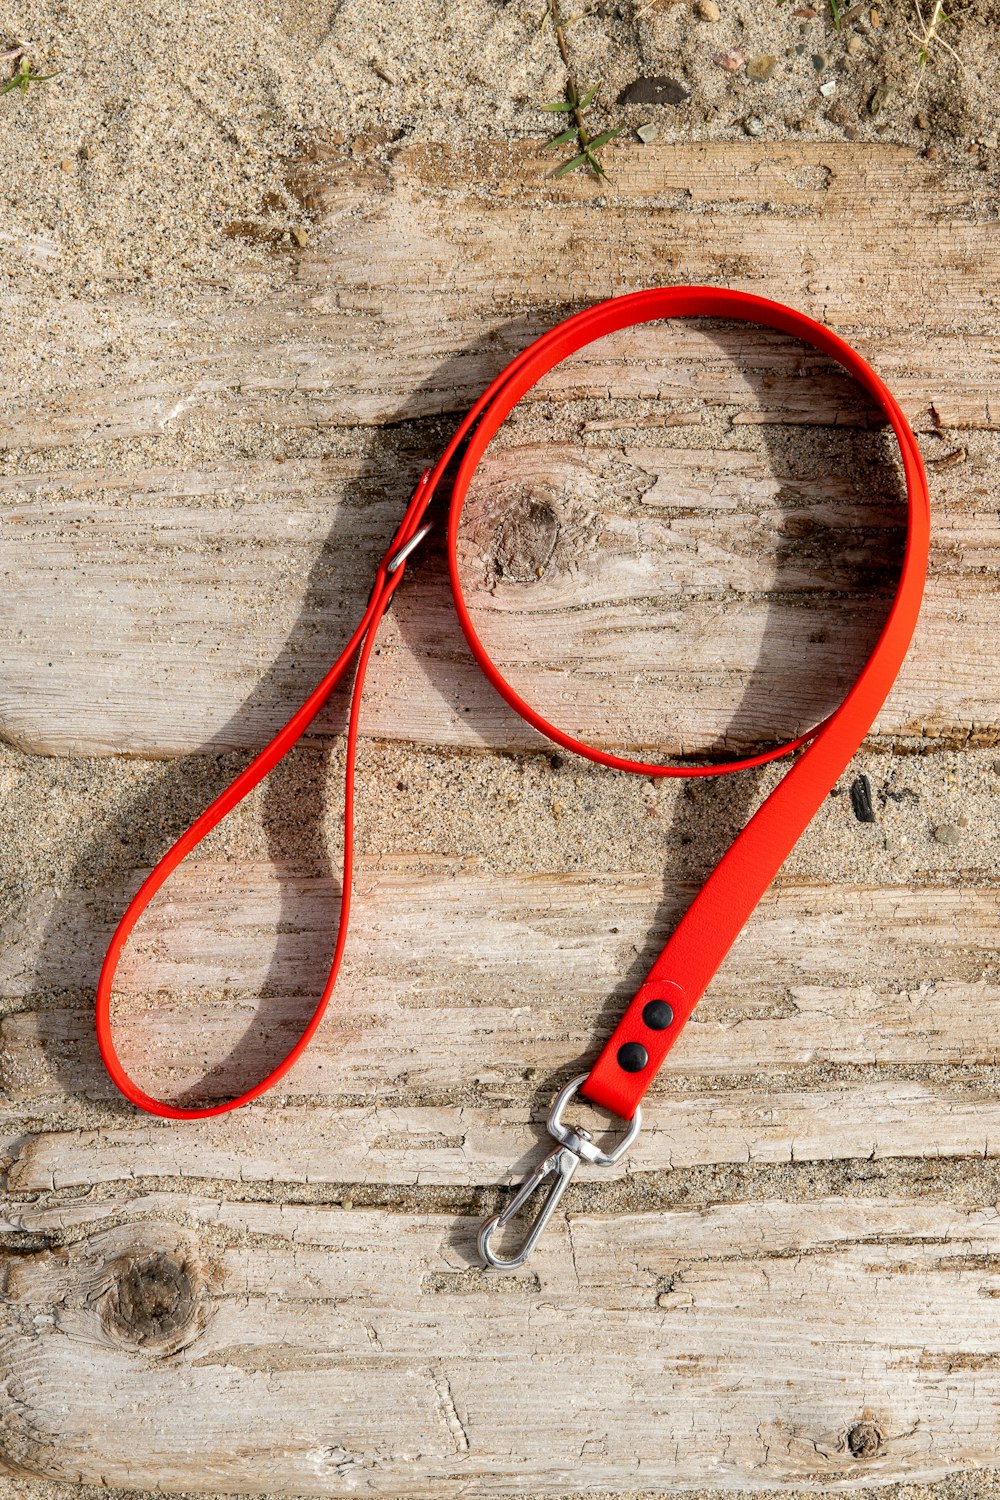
653, 1020
387, 578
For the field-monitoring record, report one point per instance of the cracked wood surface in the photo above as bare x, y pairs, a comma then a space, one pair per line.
704, 527
285, 1336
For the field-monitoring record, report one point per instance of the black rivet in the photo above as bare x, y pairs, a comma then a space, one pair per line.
657, 1015
633, 1057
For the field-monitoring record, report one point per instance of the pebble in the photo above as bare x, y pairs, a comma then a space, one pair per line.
819, 61
300, 236
948, 833
931, 152
874, 18
732, 61
653, 91
855, 46
996, 767
66, 164
707, 10
753, 126
761, 66
648, 133
828, 88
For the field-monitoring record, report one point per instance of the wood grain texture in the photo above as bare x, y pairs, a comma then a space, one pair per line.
687, 598
427, 273
701, 527
227, 587
509, 968
325, 1352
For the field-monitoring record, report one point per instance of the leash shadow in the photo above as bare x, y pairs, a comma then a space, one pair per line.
134, 832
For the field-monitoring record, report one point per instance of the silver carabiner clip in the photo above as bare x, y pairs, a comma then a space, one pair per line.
575, 1146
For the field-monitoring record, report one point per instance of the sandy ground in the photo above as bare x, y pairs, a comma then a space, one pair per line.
167, 123
169, 128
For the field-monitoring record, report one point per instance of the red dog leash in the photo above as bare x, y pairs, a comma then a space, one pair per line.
652, 1022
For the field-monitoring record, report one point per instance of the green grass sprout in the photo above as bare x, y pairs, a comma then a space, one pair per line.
24, 78
575, 103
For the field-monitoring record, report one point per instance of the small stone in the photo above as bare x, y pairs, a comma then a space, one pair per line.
818, 61
948, 833
663, 1300
731, 61
300, 236
874, 18
761, 66
880, 97
921, 121
855, 45
66, 164
828, 88
931, 153
654, 91
707, 10
753, 126
996, 767
347, 1203
648, 133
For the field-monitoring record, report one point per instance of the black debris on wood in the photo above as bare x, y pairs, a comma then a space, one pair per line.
861, 800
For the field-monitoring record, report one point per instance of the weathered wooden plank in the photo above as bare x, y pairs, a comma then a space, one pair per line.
482, 1145
326, 1352
225, 590
509, 967
404, 303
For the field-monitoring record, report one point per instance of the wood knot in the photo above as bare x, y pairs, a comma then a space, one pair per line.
864, 1440
153, 1303
525, 540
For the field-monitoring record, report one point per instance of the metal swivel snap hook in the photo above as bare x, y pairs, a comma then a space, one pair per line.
563, 1162
575, 1146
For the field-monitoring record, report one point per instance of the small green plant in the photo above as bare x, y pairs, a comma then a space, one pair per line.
589, 144
576, 104
835, 11
24, 78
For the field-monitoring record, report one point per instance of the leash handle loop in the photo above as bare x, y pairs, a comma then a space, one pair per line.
387, 579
